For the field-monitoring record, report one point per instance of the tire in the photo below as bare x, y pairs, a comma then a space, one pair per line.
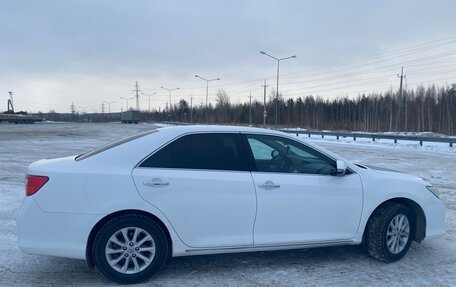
133, 260
388, 236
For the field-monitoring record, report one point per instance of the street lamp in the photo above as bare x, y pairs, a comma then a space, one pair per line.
169, 91
277, 89
150, 95
126, 101
83, 109
207, 91
109, 105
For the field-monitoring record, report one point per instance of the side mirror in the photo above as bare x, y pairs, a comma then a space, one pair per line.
341, 167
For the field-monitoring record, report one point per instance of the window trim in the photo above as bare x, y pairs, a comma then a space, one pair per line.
239, 142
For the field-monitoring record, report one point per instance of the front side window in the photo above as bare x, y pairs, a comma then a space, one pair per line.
201, 151
277, 154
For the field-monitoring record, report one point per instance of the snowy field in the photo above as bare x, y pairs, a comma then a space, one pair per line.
431, 263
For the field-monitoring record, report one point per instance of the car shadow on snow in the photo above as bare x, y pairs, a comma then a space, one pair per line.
322, 266
238, 268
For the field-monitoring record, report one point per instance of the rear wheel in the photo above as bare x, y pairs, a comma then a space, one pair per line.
130, 249
389, 232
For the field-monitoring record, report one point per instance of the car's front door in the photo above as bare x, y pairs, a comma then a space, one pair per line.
202, 184
299, 198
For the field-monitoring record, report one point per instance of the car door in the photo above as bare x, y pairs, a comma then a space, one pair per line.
299, 198
202, 184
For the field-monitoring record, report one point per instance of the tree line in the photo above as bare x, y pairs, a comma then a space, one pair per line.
431, 109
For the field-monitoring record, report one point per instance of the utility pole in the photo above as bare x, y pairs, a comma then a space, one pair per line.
250, 109
102, 108
72, 111
136, 90
391, 113
191, 109
72, 108
265, 114
399, 104
406, 105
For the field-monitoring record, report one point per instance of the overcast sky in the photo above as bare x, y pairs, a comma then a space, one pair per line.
53, 53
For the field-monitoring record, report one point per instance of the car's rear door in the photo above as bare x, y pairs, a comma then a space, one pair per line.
300, 200
202, 184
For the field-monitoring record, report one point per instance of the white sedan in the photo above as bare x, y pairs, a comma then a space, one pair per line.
128, 206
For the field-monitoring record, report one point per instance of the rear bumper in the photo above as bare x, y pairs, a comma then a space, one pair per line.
54, 234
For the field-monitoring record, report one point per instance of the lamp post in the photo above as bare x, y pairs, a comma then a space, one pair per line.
126, 102
207, 91
109, 105
277, 88
150, 95
83, 109
169, 91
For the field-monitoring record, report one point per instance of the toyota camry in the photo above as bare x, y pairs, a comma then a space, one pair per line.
177, 191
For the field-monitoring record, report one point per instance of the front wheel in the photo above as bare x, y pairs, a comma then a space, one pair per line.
130, 249
389, 232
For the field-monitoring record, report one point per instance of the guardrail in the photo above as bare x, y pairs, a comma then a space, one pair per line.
374, 137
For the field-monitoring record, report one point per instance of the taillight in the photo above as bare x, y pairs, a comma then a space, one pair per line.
33, 183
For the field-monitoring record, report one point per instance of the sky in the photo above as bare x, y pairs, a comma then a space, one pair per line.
55, 53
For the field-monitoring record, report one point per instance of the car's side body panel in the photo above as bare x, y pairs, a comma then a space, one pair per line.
339, 201
207, 208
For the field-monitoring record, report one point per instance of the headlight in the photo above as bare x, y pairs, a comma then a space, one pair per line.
434, 190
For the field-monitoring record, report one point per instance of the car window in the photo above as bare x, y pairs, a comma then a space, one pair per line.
260, 150
277, 154
112, 145
201, 151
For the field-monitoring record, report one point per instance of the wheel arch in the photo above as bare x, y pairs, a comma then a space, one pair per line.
419, 216
101, 222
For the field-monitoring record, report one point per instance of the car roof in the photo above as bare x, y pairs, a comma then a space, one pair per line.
216, 128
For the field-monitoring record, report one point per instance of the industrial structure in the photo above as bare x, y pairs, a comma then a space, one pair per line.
17, 117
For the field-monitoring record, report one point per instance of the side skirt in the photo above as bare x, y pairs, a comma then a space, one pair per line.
263, 247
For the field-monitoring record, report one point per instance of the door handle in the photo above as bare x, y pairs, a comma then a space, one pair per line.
269, 185
156, 182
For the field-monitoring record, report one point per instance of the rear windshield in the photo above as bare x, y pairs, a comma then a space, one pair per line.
113, 144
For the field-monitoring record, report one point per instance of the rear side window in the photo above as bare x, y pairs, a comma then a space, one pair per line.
201, 151
113, 144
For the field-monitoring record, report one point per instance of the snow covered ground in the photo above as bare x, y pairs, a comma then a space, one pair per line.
431, 263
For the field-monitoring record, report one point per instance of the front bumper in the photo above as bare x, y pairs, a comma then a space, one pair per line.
435, 218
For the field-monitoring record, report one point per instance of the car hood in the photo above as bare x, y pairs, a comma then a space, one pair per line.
385, 173
377, 168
